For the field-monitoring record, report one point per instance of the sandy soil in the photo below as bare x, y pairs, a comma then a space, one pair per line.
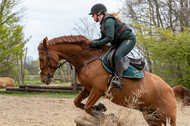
45, 111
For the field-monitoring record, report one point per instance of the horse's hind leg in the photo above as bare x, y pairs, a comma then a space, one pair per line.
94, 96
82, 95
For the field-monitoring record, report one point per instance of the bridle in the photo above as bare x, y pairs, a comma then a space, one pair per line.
59, 64
48, 64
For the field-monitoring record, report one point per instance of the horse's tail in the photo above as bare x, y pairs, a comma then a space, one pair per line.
183, 94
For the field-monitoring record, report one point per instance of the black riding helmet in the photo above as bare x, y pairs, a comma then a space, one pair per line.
98, 8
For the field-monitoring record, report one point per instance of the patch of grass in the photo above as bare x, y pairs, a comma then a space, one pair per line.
40, 83
33, 82
46, 94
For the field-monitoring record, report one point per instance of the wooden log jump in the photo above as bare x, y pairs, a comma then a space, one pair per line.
49, 87
82, 122
43, 88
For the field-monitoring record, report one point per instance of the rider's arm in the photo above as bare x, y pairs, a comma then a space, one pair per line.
110, 30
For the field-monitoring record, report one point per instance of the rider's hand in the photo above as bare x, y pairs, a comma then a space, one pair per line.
93, 44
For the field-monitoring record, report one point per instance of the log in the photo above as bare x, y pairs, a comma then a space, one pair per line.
81, 122
49, 90
43, 88
14, 89
49, 87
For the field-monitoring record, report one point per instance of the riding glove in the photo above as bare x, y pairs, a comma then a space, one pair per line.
93, 44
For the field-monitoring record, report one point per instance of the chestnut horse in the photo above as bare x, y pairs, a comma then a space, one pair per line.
156, 98
6, 82
183, 94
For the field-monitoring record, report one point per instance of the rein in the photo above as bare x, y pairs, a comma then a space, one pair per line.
60, 64
97, 58
72, 57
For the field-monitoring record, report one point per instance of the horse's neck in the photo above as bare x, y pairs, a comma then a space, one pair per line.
73, 52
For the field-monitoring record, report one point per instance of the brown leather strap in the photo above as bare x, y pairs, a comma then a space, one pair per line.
123, 28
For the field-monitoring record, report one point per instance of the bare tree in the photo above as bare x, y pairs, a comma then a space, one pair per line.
87, 27
173, 14
23, 64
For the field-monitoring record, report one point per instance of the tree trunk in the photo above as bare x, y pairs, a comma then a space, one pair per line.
23, 66
18, 72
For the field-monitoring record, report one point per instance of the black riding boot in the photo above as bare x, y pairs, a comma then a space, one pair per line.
119, 69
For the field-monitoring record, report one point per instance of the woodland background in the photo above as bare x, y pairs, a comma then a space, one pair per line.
161, 28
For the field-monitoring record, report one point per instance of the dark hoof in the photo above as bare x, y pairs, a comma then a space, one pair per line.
97, 113
100, 107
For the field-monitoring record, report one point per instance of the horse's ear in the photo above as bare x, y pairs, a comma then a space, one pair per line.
45, 42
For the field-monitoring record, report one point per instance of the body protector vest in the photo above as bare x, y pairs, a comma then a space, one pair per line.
119, 27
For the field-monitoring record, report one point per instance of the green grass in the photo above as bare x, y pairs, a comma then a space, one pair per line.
39, 82
46, 94
33, 82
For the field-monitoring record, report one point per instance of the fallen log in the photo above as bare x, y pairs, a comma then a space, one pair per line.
49, 87
44, 88
82, 122
105, 119
14, 89
49, 90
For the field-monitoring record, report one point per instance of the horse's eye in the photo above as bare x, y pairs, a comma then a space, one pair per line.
41, 60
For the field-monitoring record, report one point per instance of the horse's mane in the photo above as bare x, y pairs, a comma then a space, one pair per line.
77, 39
72, 39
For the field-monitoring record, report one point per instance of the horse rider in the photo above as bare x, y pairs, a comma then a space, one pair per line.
118, 34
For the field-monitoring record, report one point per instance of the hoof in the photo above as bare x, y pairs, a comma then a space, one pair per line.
100, 107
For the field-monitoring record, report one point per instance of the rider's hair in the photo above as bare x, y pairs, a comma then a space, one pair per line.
115, 14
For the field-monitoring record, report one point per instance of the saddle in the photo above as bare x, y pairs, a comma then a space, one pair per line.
132, 67
137, 63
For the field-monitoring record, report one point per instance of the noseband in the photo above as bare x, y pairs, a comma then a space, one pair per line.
48, 64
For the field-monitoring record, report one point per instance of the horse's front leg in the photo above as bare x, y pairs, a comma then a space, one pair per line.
94, 96
82, 95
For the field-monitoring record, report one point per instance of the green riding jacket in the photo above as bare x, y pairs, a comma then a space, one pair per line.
110, 24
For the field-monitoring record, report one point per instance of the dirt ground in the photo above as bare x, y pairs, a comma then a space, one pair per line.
46, 111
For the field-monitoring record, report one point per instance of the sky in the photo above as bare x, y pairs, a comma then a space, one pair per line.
55, 18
